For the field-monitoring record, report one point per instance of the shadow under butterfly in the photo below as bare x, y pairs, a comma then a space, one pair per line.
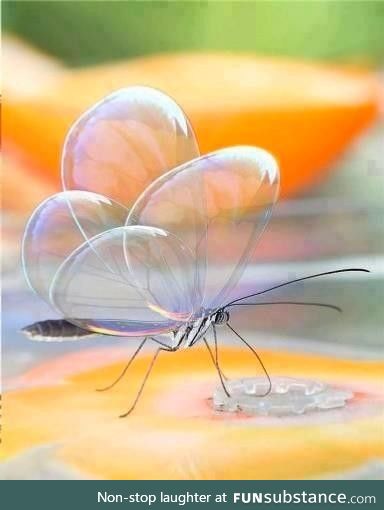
166, 268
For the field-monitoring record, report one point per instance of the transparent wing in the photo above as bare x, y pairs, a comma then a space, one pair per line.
218, 205
129, 281
124, 142
58, 226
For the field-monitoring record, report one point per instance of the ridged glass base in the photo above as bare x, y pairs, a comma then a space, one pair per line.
288, 396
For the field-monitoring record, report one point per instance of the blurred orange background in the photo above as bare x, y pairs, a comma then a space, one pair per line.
303, 81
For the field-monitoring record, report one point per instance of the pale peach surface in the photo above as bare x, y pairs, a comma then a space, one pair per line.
175, 434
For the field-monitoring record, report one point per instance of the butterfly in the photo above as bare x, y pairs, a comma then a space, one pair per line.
148, 238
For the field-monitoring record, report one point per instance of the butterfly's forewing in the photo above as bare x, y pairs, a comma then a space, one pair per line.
126, 141
128, 281
218, 205
58, 226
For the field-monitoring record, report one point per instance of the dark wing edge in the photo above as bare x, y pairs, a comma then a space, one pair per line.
55, 330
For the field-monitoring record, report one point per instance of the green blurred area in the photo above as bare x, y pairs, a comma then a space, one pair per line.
89, 32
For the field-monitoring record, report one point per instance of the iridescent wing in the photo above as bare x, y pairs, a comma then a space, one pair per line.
104, 277
119, 146
217, 205
115, 149
128, 281
58, 226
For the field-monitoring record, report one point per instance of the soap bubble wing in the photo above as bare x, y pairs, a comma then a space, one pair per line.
218, 205
58, 226
129, 281
124, 142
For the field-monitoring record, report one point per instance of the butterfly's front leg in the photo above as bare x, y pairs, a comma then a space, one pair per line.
221, 376
217, 351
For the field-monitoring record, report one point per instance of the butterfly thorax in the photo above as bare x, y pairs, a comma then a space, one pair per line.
190, 333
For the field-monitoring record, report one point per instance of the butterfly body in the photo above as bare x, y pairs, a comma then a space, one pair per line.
188, 335
181, 338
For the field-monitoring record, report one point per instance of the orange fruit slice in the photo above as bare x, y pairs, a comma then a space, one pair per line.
304, 113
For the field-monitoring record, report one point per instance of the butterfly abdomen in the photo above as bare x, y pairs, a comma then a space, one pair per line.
55, 331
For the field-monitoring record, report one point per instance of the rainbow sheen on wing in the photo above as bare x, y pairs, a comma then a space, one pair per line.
128, 281
58, 226
119, 146
218, 205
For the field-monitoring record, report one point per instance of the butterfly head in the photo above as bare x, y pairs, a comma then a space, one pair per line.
220, 317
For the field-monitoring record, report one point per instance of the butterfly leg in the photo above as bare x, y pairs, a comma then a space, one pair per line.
141, 345
217, 352
166, 347
258, 358
217, 368
147, 374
